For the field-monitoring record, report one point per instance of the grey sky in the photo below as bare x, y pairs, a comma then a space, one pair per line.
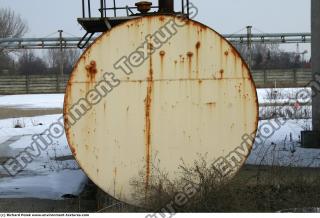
225, 16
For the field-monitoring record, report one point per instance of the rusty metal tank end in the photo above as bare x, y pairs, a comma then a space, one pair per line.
192, 97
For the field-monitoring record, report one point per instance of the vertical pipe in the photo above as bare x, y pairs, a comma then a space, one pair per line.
249, 45
104, 8
166, 6
127, 10
114, 8
188, 9
182, 5
61, 57
101, 8
315, 29
89, 8
83, 9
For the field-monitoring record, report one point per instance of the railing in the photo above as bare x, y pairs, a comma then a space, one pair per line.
86, 7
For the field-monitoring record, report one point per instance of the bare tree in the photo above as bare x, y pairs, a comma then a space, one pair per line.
270, 56
29, 63
11, 24
69, 56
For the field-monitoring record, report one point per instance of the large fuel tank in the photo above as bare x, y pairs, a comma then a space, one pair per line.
152, 93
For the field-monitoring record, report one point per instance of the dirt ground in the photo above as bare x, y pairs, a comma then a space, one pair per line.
31, 205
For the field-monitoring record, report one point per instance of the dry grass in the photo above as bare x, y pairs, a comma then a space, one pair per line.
254, 189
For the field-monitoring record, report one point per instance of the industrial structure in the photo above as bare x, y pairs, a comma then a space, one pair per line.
128, 117
72, 42
103, 23
172, 92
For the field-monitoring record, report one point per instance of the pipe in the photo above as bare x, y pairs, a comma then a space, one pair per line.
166, 6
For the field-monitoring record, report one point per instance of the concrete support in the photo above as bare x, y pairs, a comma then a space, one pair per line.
315, 29
311, 139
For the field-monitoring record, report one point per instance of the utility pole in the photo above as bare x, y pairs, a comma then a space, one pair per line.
61, 57
249, 46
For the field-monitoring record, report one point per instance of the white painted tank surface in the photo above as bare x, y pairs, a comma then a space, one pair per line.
153, 92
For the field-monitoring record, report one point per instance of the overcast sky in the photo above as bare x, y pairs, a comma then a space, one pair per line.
226, 16
45, 17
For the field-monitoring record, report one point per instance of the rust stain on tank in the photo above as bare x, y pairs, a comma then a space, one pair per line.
67, 124
211, 105
243, 69
73, 150
201, 27
234, 53
198, 45
148, 105
162, 54
239, 88
190, 55
181, 59
175, 66
91, 71
221, 73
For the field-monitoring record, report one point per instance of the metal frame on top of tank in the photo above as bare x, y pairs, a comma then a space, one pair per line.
102, 23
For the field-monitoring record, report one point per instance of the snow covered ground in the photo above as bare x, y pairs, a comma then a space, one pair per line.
55, 173
32, 101
283, 148
50, 176
283, 95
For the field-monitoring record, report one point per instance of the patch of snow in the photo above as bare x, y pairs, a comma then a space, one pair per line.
284, 95
32, 101
283, 147
52, 186
30, 126
53, 174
